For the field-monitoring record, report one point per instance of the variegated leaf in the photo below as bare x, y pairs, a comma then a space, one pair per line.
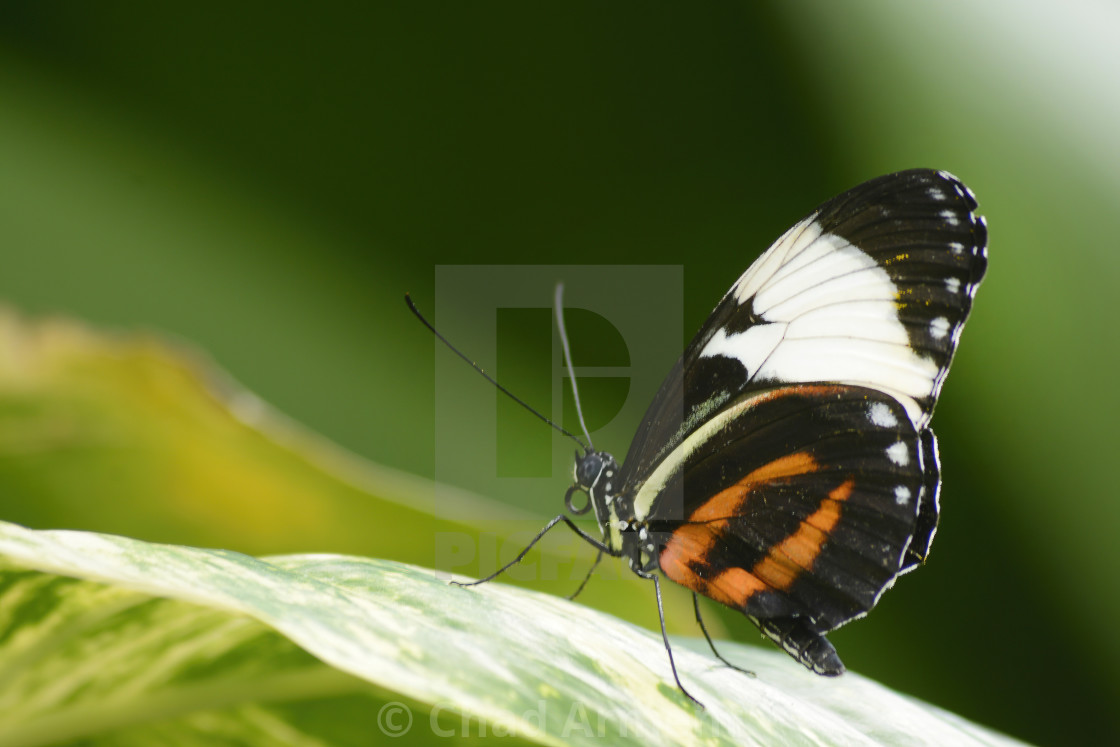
109, 640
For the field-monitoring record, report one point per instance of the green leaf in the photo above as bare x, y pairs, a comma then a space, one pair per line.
112, 640
131, 434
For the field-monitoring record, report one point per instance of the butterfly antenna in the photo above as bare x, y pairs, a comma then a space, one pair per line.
488, 377
559, 303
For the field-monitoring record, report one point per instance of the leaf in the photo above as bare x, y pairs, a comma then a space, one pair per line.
121, 641
130, 434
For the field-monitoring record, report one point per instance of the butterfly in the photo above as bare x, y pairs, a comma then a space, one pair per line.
786, 468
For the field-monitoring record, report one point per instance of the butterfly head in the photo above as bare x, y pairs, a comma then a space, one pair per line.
595, 474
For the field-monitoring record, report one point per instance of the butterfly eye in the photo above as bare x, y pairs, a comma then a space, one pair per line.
571, 506
588, 469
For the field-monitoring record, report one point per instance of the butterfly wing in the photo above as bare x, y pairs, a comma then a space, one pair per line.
786, 468
871, 289
798, 506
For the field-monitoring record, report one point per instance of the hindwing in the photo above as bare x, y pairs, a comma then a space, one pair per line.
800, 502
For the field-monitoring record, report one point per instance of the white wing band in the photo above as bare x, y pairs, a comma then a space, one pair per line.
831, 314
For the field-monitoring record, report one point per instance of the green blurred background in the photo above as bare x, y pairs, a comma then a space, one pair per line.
265, 182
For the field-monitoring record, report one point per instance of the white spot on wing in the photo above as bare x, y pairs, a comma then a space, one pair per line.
936, 194
953, 284
880, 414
902, 495
950, 217
939, 327
899, 453
956, 246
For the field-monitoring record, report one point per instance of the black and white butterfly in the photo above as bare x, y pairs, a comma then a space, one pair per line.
786, 467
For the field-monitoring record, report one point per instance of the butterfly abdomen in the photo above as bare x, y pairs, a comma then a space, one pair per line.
800, 641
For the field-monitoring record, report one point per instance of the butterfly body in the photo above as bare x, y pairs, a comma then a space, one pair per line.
786, 468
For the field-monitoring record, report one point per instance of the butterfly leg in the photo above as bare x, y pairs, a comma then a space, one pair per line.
587, 578
664, 635
711, 643
521, 555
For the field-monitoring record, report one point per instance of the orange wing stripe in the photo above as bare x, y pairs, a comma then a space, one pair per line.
797, 552
687, 543
729, 501
783, 564
734, 586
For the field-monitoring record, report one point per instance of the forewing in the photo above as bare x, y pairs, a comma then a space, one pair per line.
801, 502
871, 289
